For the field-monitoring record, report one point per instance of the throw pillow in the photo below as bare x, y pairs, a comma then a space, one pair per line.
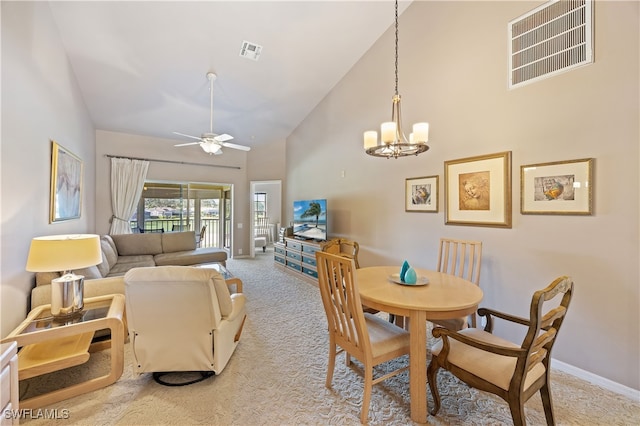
44, 278
90, 273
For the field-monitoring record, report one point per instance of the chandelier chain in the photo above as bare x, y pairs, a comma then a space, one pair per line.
396, 48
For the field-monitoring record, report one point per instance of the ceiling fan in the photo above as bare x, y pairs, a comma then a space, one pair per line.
212, 143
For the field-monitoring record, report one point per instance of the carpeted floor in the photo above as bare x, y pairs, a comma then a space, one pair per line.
276, 377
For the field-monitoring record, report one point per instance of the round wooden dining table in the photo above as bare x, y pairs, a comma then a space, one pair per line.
443, 297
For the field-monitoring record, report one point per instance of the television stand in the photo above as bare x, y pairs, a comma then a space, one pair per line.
298, 256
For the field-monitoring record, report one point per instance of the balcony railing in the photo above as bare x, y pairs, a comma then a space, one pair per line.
211, 235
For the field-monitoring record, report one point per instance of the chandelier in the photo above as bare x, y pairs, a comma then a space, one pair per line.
393, 142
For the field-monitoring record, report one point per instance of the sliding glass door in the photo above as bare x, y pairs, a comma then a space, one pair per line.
171, 207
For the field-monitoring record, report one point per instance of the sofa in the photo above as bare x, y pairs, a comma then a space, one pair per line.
121, 253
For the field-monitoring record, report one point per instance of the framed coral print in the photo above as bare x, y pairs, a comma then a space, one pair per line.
66, 184
421, 194
478, 190
561, 187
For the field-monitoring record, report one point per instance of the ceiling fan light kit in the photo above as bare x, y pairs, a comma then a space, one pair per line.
210, 142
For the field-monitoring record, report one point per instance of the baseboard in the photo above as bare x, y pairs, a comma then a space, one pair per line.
596, 380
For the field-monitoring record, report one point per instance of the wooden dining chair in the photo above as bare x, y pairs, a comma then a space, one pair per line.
343, 247
349, 249
514, 372
463, 259
366, 337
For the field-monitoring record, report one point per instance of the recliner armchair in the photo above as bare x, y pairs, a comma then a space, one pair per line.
181, 318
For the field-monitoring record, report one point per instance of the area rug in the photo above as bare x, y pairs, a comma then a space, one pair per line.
276, 377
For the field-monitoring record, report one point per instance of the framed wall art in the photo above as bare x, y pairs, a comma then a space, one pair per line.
561, 187
421, 194
66, 184
478, 190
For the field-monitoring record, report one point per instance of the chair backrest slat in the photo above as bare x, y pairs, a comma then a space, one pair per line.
460, 258
340, 297
543, 329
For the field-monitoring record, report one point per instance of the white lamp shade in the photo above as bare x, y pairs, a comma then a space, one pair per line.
370, 139
388, 131
421, 132
64, 252
210, 147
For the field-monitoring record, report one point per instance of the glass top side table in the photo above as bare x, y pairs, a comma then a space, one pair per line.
49, 345
228, 276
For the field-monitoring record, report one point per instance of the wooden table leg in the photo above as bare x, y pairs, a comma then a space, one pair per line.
418, 366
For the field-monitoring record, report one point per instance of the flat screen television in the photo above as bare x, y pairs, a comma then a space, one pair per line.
310, 219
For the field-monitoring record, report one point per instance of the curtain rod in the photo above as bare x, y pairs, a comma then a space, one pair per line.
173, 162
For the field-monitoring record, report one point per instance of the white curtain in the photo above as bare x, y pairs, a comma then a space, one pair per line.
127, 182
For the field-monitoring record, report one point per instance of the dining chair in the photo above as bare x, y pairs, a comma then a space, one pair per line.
364, 336
514, 372
343, 247
349, 249
463, 259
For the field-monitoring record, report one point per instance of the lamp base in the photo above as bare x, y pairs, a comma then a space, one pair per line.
67, 296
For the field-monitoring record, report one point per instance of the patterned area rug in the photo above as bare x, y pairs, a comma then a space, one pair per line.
276, 377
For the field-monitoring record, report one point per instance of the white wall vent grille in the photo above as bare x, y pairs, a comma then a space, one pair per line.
553, 38
250, 50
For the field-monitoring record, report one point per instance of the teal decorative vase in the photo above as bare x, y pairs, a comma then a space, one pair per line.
410, 277
403, 270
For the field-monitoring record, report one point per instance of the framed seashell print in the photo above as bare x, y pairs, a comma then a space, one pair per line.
560, 187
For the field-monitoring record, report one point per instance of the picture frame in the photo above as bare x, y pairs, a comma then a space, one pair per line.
478, 190
557, 188
66, 184
421, 194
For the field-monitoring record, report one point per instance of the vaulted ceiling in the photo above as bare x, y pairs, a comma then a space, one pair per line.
141, 66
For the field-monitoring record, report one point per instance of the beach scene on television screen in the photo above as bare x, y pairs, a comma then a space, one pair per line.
310, 219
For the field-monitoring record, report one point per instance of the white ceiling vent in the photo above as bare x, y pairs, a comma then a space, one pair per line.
250, 50
553, 38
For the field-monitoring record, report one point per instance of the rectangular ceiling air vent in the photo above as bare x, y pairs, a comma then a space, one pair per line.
250, 50
553, 38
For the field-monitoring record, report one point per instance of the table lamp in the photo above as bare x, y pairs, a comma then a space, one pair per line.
65, 253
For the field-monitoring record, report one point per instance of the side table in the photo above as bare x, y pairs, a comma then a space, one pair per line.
228, 276
49, 345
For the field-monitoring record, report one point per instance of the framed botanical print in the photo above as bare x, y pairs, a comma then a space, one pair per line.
66, 184
421, 194
478, 190
561, 187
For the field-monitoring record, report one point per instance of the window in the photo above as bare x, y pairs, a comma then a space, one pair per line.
171, 207
260, 206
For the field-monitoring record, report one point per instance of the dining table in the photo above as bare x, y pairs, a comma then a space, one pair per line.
435, 296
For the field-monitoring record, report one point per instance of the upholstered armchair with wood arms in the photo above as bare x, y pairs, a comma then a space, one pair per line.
513, 371
181, 318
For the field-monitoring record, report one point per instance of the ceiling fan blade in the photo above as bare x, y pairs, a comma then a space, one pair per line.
235, 146
188, 136
223, 138
188, 143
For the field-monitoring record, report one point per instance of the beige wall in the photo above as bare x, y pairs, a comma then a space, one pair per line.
453, 73
40, 102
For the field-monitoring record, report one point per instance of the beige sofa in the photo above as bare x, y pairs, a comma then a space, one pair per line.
120, 253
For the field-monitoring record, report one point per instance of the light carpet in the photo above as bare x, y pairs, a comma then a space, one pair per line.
276, 377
